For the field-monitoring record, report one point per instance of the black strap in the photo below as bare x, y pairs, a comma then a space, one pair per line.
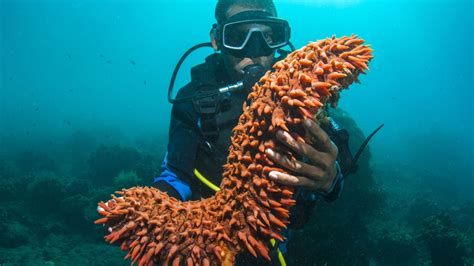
364, 144
207, 108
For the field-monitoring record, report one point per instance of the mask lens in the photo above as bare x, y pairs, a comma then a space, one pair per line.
235, 34
275, 32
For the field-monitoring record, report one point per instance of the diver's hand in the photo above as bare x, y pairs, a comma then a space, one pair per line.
319, 172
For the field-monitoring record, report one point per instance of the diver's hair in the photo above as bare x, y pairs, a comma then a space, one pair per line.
223, 6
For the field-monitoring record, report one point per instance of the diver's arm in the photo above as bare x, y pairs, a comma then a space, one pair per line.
178, 164
334, 192
169, 182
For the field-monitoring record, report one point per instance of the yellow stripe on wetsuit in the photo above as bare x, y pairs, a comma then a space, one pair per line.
208, 183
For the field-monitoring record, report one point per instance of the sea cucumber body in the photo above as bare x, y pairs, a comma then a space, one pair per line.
249, 209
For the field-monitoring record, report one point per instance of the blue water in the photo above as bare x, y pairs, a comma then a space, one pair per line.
104, 67
55, 54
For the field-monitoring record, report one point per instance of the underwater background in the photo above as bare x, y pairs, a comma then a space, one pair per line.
84, 112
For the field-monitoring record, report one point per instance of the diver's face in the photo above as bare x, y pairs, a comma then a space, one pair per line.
235, 64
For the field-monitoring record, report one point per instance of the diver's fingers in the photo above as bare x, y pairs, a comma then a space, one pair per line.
322, 140
291, 180
319, 158
296, 166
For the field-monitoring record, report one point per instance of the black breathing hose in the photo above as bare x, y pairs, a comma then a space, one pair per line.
176, 69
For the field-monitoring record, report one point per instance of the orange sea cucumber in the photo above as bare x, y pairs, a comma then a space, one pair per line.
250, 209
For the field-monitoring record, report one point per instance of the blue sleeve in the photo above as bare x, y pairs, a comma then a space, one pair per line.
170, 177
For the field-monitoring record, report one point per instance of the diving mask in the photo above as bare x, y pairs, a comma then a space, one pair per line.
246, 28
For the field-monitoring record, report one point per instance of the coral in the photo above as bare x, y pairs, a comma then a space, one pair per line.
343, 225
446, 243
396, 244
31, 161
7, 169
47, 195
421, 207
250, 209
126, 179
14, 231
44, 192
108, 161
13, 234
68, 210
149, 165
12, 189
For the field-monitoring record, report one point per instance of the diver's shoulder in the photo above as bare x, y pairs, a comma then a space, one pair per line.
186, 91
203, 74
206, 72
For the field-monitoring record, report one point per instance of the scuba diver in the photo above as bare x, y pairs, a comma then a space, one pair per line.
247, 39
